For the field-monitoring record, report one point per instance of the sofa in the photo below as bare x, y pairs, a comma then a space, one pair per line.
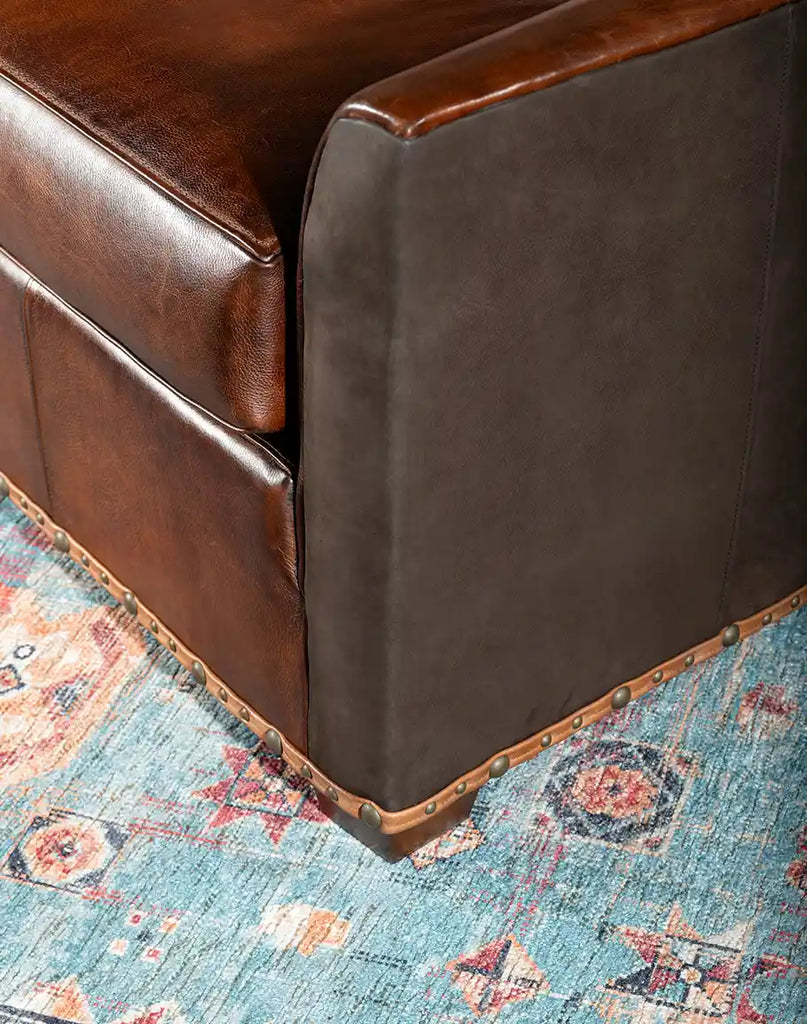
427, 377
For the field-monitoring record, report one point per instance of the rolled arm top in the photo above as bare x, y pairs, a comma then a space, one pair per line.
568, 40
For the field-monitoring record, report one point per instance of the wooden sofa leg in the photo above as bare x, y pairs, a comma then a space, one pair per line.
394, 847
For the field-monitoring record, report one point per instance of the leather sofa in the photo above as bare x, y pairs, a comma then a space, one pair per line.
429, 378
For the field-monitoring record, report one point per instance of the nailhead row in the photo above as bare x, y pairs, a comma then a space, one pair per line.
368, 812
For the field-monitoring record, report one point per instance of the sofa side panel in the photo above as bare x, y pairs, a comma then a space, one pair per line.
769, 554
195, 518
20, 449
542, 503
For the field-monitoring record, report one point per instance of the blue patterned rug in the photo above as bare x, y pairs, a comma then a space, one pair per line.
157, 867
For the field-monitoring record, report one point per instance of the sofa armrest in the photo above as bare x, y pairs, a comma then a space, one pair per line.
553, 374
568, 40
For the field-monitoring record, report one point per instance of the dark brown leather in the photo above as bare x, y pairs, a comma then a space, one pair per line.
153, 160
532, 338
769, 546
195, 517
20, 454
570, 39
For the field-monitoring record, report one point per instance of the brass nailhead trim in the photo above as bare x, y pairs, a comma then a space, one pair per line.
730, 635
398, 821
223, 695
40, 518
4, 488
60, 542
430, 808
498, 766
198, 672
243, 713
155, 629
658, 675
130, 602
370, 816
620, 697
546, 740
273, 741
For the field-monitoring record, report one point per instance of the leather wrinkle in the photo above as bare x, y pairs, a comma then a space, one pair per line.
761, 319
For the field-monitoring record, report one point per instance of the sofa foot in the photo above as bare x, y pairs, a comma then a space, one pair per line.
394, 847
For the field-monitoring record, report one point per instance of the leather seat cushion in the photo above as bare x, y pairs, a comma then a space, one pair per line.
154, 154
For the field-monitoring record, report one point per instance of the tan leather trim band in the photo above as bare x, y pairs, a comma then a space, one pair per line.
392, 822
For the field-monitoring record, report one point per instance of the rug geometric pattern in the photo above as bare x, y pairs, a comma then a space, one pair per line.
157, 866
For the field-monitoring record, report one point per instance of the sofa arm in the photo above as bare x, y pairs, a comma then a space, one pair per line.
575, 37
553, 376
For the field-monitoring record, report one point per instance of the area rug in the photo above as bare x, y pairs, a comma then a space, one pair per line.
158, 867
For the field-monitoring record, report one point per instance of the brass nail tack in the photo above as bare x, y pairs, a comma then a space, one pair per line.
305, 771
104, 578
4, 489
689, 660
85, 561
60, 541
577, 722
795, 602
243, 713
172, 645
40, 518
198, 672
370, 816
155, 629
498, 766
130, 602
620, 697
331, 794
767, 619
223, 695
658, 675
461, 787
730, 635
23, 503
546, 739
430, 808
273, 741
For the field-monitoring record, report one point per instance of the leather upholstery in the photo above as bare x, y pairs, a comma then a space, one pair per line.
197, 518
568, 40
20, 454
550, 398
153, 160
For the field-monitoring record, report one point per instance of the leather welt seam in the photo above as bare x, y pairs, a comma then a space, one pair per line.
761, 322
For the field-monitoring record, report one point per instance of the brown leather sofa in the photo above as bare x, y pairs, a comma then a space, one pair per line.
428, 377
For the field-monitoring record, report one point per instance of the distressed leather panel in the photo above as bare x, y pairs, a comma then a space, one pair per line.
197, 519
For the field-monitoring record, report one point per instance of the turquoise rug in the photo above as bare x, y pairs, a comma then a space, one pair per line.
158, 867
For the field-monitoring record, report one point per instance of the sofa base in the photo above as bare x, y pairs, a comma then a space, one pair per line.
393, 834
394, 846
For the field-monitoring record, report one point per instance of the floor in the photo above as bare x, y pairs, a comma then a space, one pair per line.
158, 867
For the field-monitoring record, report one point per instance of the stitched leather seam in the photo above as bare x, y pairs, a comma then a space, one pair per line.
761, 324
170, 191
26, 339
